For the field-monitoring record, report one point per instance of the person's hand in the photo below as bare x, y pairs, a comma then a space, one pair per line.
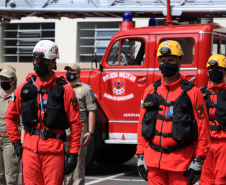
70, 164
142, 168
18, 149
87, 137
194, 170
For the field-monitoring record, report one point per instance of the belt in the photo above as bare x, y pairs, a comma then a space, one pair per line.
4, 134
44, 133
170, 149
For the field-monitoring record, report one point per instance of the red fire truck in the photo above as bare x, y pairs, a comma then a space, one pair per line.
128, 67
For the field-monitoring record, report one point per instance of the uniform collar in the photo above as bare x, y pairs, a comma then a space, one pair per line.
172, 86
217, 87
77, 84
48, 84
2, 95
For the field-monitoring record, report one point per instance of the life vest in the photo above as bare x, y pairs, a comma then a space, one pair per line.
220, 106
184, 127
55, 115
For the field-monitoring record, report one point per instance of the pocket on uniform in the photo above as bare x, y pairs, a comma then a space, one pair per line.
29, 113
221, 107
148, 124
182, 127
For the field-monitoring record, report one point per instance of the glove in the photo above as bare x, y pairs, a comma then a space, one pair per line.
194, 169
142, 168
18, 149
71, 163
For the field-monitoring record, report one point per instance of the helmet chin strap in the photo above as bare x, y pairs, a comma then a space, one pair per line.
178, 60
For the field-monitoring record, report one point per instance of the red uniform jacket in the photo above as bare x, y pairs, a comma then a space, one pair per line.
212, 110
178, 160
33, 142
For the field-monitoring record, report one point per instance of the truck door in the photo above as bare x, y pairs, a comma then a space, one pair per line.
123, 81
189, 44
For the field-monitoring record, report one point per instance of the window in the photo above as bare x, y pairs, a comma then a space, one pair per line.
113, 59
216, 43
93, 39
223, 46
20, 39
188, 47
132, 52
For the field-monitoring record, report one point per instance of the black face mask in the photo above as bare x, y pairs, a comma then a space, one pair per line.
168, 69
5, 85
71, 76
41, 69
216, 75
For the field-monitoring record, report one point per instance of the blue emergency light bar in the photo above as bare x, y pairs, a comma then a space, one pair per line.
127, 16
152, 22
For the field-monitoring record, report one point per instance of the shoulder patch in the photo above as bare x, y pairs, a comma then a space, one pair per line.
199, 111
75, 104
13, 97
93, 95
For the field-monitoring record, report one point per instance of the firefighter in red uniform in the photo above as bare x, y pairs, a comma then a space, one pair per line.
214, 171
48, 106
173, 137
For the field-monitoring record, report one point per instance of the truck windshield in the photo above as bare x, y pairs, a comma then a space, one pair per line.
132, 52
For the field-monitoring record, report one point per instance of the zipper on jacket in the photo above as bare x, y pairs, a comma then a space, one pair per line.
162, 126
212, 110
40, 129
40, 123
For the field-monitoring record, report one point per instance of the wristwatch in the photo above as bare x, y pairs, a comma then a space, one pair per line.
91, 133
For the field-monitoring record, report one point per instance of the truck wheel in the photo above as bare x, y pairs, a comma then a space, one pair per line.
115, 154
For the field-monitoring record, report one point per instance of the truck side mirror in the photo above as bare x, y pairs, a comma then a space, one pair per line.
101, 68
94, 60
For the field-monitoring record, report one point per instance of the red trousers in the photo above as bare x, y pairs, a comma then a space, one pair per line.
214, 167
39, 169
157, 176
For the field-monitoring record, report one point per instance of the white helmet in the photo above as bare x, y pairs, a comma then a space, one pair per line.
46, 49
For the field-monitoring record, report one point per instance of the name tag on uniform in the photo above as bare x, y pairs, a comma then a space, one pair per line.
170, 111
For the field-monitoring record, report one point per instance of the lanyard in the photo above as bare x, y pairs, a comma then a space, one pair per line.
39, 94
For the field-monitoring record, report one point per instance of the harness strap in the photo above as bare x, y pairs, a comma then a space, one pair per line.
42, 91
170, 149
162, 117
44, 133
163, 134
218, 127
212, 119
